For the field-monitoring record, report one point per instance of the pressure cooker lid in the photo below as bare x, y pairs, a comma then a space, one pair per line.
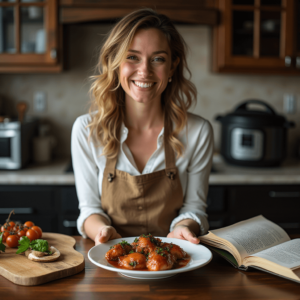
245, 116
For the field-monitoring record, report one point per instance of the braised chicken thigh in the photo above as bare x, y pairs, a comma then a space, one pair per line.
175, 250
118, 250
133, 261
146, 253
160, 259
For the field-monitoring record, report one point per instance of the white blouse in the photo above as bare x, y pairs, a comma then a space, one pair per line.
193, 167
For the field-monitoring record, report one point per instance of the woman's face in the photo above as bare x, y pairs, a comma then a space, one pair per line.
145, 72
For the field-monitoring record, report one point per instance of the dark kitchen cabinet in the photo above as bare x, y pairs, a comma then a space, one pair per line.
53, 208
278, 203
30, 37
257, 36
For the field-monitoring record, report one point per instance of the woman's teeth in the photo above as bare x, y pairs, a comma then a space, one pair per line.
143, 85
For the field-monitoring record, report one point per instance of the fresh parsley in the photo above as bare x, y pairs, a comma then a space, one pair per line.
2, 246
36, 245
124, 243
131, 251
133, 263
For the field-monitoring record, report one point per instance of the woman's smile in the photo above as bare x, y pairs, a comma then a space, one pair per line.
142, 84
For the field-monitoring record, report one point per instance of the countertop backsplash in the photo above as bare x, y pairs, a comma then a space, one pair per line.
67, 92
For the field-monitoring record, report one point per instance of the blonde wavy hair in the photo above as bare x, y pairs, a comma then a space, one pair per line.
108, 105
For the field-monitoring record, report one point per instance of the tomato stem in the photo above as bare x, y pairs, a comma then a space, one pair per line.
12, 212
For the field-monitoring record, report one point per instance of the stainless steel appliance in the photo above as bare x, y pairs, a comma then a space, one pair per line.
16, 142
256, 138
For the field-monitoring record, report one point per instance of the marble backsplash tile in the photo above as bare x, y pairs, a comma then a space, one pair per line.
67, 93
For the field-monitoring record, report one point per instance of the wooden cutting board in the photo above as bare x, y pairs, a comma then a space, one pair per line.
20, 270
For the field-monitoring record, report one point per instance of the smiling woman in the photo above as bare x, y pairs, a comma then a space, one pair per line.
141, 161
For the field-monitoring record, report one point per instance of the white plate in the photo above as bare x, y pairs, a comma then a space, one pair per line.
200, 256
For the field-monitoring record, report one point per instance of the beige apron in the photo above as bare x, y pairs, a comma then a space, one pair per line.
142, 204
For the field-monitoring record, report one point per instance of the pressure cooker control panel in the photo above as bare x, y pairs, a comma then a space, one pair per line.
246, 144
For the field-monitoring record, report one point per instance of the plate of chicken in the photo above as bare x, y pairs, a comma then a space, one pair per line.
149, 257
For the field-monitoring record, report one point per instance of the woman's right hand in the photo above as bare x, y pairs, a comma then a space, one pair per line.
105, 234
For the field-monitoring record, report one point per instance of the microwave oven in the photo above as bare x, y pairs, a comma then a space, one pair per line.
16, 143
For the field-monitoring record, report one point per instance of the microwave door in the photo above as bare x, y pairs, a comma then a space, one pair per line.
10, 149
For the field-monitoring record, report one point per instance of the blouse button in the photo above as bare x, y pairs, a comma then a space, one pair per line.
140, 207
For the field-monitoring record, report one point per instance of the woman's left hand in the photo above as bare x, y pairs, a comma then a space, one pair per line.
183, 232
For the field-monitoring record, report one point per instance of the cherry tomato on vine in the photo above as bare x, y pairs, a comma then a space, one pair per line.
5, 227
12, 241
21, 233
12, 224
5, 234
28, 224
32, 235
38, 231
25, 228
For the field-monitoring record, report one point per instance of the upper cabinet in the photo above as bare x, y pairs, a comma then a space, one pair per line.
257, 36
185, 11
30, 38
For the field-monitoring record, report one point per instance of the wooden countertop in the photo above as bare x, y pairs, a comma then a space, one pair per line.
217, 280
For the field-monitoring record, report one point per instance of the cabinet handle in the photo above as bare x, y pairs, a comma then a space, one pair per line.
298, 62
20, 210
287, 61
69, 224
53, 53
274, 194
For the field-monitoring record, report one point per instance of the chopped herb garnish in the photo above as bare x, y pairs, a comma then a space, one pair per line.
133, 263
136, 240
124, 243
160, 251
131, 251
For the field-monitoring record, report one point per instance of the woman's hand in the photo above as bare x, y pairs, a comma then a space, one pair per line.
105, 234
185, 230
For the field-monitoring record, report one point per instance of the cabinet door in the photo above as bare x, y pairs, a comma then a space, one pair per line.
69, 211
30, 203
28, 35
280, 204
256, 36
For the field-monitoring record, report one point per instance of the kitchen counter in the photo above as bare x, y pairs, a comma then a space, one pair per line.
54, 173
217, 280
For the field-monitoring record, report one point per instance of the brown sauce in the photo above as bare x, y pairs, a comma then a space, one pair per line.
180, 263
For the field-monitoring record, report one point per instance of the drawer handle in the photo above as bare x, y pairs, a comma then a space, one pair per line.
287, 61
20, 210
274, 194
69, 224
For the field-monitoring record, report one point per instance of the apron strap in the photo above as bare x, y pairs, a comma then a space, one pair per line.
171, 169
110, 168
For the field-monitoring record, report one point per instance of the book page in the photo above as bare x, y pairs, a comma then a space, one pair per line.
253, 235
286, 254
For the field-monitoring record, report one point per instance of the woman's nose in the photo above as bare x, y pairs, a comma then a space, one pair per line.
145, 69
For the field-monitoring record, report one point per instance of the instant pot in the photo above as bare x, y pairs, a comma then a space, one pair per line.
255, 138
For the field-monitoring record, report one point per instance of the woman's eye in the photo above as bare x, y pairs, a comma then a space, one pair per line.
131, 57
159, 59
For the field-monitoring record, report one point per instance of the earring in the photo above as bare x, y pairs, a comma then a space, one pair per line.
170, 79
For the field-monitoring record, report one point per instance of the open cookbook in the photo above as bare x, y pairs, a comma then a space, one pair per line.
257, 243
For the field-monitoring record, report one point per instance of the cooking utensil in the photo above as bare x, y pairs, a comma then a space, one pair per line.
21, 108
256, 138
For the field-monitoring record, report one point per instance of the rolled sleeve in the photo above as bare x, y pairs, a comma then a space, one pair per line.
86, 175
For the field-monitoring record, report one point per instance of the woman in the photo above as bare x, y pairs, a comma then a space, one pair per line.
141, 161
